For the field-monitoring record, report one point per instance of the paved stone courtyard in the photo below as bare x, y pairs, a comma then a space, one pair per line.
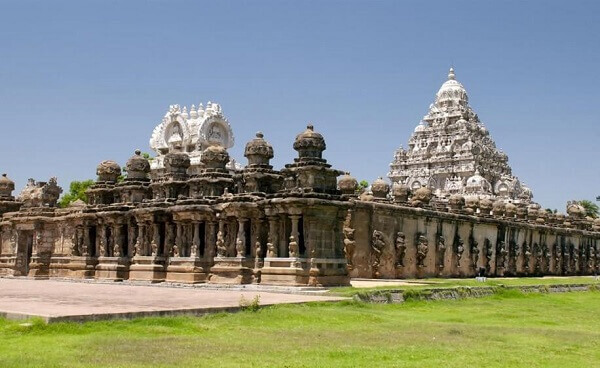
55, 300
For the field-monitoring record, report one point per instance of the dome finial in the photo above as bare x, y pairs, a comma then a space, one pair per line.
451, 75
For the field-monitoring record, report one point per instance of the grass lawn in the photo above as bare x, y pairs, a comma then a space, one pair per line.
508, 329
423, 284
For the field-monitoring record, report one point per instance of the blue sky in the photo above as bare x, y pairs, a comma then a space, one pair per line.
84, 81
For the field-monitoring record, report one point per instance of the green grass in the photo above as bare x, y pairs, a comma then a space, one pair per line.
471, 282
509, 329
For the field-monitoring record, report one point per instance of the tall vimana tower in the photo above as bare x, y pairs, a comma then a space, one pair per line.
451, 152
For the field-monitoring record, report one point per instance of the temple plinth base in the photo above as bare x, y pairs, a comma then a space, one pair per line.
39, 267
147, 268
328, 272
288, 271
232, 270
8, 266
59, 266
112, 268
82, 267
187, 270
302, 272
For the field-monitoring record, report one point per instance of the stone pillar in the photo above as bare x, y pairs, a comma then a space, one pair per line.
196, 240
118, 247
221, 247
86, 241
177, 248
209, 249
240, 241
169, 238
130, 239
272, 243
155, 239
293, 246
140, 241
256, 225
101, 240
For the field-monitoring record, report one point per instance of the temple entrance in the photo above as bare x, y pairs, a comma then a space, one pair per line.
24, 251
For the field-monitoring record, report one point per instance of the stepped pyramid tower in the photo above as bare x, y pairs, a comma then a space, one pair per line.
451, 152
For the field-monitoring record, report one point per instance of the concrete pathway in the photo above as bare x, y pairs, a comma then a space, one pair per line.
55, 300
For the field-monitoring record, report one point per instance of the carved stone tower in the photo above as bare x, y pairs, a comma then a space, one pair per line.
452, 152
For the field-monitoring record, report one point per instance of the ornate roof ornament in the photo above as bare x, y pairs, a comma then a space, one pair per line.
138, 167
6, 187
108, 171
258, 151
190, 132
309, 143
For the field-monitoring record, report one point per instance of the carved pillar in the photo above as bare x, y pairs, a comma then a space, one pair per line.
273, 238
117, 251
86, 241
169, 238
209, 249
140, 243
130, 251
221, 248
155, 239
293, 247
101, 236
178, 240
195, 240
255, 240
240, 241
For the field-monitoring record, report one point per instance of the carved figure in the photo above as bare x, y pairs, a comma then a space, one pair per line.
175, 250
526, 255
101, 248
474, 251
441, 248
422, 249
502, 254
349, 242
293, 247
117, 250
349, 246
221, 248
489, 253
377, 246
400, 249
154, 248
460, 249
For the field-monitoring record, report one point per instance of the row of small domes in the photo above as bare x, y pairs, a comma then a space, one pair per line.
309, 144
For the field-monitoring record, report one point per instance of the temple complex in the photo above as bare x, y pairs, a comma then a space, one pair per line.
193, 215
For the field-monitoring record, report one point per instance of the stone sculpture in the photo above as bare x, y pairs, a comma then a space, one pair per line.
474, 252
400, 249
441, 249
377, 246
422, 249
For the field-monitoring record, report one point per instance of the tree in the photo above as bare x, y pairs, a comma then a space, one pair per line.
363, 184
76, 191
591, 208
147, 156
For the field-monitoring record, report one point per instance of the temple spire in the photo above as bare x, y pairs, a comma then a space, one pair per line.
451, 75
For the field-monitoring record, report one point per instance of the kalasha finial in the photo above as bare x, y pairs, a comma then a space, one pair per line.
310, 127
138, 152
4, 174
451, 75
259, 135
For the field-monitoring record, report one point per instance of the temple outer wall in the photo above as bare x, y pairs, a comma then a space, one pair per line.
490, 246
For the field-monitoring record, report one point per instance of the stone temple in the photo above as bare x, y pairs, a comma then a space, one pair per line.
193, 215
451, 152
